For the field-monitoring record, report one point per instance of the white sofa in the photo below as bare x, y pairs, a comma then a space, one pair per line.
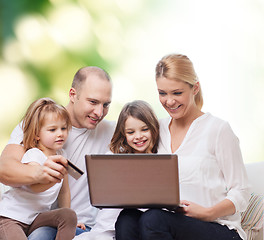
253, 217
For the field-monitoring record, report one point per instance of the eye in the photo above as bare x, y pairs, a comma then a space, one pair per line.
162, 93
52, 130
177, 93
93, 102
106, 105
145, 129
63, 128
130, 132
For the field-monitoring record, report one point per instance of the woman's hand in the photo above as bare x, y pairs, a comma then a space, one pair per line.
223, 208
197, 211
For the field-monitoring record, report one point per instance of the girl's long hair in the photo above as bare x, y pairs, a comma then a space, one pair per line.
140, 110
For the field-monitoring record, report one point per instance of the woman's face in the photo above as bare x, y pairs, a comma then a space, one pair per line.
177, 97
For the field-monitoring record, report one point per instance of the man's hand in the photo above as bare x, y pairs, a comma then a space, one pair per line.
14, 173
53, 170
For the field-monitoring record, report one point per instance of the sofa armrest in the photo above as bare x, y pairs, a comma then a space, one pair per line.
252, 220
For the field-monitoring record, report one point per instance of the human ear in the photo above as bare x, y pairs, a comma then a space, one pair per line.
196, 88
72, 94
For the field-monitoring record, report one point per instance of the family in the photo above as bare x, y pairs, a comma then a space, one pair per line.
44, 203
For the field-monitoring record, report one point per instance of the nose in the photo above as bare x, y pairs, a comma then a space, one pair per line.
170, 101
98, 111
59, 133
138, 135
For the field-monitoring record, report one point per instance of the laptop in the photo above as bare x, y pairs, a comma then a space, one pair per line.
133, 180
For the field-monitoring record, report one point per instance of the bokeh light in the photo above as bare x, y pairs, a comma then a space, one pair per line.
43, 44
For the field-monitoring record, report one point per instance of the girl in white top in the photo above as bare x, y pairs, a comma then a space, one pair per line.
137, 131
213, 184
23, 209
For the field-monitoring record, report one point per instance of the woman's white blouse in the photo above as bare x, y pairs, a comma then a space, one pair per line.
211, 167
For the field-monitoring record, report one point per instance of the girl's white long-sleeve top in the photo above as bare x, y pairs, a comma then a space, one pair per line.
211, 167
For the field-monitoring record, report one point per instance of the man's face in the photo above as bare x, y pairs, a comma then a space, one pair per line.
91, 102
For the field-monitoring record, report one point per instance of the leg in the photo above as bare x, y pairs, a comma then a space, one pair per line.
11, 229
157, 224
49, 233
64, 219
127, 224
43, 233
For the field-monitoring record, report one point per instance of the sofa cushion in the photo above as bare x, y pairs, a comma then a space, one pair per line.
253, 218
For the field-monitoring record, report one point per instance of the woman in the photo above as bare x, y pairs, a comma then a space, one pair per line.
213, 183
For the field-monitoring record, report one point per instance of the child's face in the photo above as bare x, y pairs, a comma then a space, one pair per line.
53, 134
138, 135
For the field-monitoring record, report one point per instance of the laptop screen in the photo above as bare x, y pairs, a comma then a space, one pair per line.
133, 180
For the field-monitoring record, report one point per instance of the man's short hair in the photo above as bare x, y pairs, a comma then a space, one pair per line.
82, 74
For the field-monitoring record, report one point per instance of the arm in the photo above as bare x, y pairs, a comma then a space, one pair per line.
230, 161
14, 173
232, 172
39, 187
224, 208
64, 198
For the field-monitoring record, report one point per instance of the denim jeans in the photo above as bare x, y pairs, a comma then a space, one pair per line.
80, 231
49, 233
43, 233
156, 224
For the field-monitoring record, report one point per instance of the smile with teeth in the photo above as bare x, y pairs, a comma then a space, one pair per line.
175, 108
141, 143
93, 119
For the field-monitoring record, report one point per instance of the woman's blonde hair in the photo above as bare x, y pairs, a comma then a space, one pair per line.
180, 68
140, 110
35, 117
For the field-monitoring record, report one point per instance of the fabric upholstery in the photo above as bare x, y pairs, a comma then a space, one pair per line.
253, 218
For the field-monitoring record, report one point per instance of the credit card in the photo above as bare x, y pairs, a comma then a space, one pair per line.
74, 171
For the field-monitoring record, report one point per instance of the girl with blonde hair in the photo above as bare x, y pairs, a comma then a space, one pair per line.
24, 209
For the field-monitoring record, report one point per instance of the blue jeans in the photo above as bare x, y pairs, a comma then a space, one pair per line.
49, 233
156, 224
80, 231
43, 233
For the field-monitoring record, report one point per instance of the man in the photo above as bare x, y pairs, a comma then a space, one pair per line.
90, 97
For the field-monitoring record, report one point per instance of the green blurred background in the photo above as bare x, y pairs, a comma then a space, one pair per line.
43, 43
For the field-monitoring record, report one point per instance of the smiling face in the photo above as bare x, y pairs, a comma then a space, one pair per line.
138, 135
90, 104
53, 134
177, 97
